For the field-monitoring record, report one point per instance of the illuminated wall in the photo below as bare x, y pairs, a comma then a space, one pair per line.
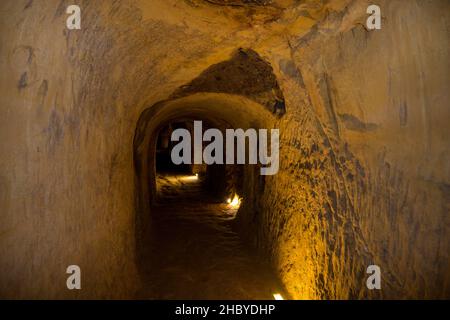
364, 151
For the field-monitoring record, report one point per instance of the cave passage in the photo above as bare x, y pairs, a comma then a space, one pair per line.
355, 202
194, 251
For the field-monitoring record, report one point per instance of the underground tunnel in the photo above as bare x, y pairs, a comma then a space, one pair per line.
197, 204
95, 202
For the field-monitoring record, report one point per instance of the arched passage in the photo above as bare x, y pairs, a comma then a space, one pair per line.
218, 110
364, 154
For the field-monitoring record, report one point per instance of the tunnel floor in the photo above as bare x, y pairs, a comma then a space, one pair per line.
194, 252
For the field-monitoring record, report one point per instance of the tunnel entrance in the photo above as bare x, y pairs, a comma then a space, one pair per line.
195, 251
190, 245
189, 218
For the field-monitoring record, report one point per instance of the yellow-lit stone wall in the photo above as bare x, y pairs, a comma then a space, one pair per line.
364, 174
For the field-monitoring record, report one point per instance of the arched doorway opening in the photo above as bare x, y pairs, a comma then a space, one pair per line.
185, 212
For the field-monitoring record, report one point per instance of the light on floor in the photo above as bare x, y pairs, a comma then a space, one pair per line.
278, 296
189, 178
235, 202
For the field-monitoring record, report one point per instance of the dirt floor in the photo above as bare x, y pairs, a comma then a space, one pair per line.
195, 254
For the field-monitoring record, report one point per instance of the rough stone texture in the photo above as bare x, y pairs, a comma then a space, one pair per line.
245, 74
364, 172
371, 163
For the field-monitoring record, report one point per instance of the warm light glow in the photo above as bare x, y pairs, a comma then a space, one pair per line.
189, 178
278, 296
235, 203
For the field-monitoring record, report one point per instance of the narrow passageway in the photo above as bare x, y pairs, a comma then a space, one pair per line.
329, 119
194, 252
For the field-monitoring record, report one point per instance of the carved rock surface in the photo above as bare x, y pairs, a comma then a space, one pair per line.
363, 116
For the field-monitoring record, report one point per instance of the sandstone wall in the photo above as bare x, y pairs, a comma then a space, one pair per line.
364, 154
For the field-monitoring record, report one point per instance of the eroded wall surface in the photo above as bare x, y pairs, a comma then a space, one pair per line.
367, 162
364, 152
